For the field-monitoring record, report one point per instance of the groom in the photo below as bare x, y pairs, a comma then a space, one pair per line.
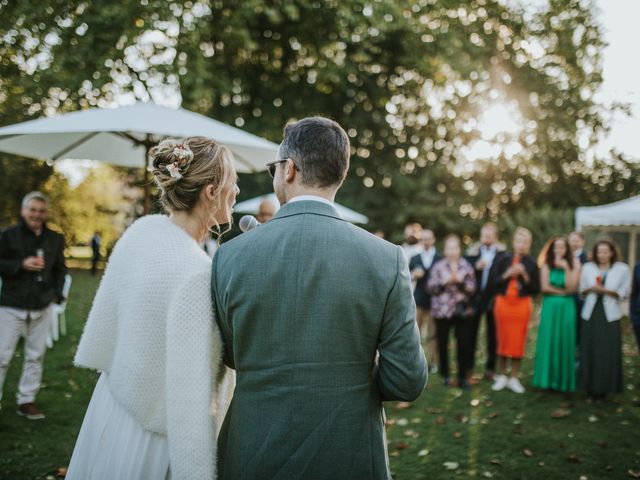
305, 303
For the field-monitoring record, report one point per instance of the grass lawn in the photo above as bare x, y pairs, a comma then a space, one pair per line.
445, 434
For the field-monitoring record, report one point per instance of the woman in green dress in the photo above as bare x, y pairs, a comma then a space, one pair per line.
555, 359
605, 282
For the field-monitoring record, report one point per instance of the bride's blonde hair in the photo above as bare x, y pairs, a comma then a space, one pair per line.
182, 168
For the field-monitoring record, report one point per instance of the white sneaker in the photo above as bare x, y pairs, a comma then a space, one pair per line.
499, 382
515, 385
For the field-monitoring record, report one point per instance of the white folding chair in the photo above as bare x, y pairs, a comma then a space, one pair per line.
58, 320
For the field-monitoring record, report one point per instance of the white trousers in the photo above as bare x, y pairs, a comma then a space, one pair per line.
34, 325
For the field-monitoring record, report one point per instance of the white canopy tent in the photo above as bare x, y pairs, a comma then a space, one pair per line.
123, 136
622, 219
253, 205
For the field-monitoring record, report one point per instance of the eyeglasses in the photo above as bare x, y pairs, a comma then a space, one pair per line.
271, 167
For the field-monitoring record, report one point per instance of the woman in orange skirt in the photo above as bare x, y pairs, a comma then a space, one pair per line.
516, 281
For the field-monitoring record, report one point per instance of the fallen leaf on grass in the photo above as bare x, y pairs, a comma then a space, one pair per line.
495, 461
451, 465
403, 422
390, 422
566, 405
527, 453
403, 405
395, 453
423, 453
541, 464
475, 402
402, 445
593, 418
602, 443
457, 434
493, 414
441, 420
433, 410
573, 458
62, 472
487, 474
560, 413
633, 474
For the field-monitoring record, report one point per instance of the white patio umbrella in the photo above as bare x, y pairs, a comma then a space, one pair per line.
124, 135
253, 206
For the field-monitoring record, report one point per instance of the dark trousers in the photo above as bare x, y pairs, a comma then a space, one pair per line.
94, 263
492, 343
462, 328
636, 330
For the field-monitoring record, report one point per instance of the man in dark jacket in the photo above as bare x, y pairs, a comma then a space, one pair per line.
634, 306
489, 252
420, 266
33, 272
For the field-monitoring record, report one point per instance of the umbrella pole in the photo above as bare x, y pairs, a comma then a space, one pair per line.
145, 180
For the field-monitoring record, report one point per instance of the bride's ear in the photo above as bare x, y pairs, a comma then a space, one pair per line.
210, 192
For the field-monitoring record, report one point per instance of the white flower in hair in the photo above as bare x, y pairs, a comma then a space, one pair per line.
183, 152
174, 170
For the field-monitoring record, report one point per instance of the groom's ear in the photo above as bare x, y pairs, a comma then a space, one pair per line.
290, 171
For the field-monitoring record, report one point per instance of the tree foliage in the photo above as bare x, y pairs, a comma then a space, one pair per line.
412, 82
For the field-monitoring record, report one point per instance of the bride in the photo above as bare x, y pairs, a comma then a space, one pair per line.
162, 393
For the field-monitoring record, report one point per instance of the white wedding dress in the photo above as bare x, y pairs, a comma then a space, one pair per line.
112, 444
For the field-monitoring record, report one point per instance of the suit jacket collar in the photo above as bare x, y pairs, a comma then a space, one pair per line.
303, 207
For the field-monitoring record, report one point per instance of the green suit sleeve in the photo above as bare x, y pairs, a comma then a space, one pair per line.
402, 368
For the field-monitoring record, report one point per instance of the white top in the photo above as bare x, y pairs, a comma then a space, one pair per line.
487, 254
313, 198
618, 279
427, 257
152, 329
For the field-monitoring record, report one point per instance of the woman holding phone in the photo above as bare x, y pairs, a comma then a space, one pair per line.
556, 346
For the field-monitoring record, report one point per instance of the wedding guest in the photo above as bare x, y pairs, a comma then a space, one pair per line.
554, 366
516, 281
412, 237
266, 211
576, 242
96, 242
420, 266
451, 283
32, 270
162, 390
605, 281
634, 307
483, 257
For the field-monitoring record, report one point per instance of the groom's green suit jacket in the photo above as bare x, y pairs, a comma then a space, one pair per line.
305, 304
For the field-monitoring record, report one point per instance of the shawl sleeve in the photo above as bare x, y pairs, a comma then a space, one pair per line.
194, 361
95, 349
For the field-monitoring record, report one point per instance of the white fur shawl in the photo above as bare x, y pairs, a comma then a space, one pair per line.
151, 327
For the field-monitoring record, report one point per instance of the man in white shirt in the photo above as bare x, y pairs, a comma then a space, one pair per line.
420, 266
412, 237
482, 262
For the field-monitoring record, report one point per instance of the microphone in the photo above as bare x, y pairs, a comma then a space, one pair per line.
248, 222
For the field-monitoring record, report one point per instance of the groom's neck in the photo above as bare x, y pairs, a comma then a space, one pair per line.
328, 194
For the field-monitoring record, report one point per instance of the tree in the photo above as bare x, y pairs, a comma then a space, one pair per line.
412, 82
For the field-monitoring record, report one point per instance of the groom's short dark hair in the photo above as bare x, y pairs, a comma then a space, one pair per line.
320, 149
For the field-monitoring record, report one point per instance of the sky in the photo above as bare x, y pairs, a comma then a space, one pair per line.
621, 70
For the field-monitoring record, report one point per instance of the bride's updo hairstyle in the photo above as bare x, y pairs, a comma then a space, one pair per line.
182, 168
